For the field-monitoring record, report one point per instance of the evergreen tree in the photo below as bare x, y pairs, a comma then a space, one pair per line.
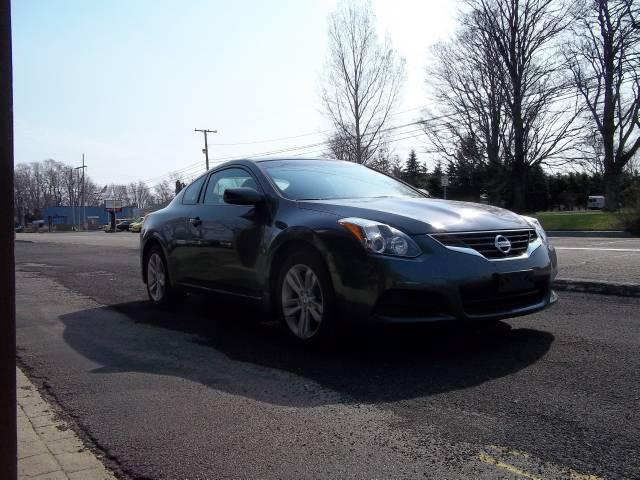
414, 172
382, 160
467, 171
433, 181
396, 167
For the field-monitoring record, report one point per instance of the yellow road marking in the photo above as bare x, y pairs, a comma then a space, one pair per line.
505, 450
573, 475
489, 460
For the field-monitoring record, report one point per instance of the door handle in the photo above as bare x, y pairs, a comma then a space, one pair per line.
195, 221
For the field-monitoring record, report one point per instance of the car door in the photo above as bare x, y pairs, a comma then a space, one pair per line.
179, 229
227, 237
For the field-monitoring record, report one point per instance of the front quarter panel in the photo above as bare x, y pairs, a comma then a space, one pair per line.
351, 270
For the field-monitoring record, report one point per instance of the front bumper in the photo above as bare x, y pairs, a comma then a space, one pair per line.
443, 284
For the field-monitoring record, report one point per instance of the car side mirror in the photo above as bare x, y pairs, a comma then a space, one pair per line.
243, 196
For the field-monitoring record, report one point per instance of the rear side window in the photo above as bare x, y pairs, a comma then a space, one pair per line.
192, 192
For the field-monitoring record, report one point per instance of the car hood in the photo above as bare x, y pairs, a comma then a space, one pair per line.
421, 215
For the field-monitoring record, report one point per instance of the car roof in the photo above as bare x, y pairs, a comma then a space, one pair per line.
256, 160
296, 159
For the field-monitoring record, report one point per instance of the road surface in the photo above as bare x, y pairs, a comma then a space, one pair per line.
599, 259
209, 391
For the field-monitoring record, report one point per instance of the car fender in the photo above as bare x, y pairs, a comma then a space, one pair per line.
297, 236
147, 237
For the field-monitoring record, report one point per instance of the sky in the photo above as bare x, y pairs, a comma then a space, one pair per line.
126, 82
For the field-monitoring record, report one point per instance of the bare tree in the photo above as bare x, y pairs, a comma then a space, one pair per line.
498, 85
21, 180
119, 192
163, 192
387, 161
604, 59
139, 194
339, 146
48, 184
541, 122
363, 80
93, 195
467, 91
35, 188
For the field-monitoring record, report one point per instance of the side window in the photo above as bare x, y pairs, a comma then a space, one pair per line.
227, 178
192, 192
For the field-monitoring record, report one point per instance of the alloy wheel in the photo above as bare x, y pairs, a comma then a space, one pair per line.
156, 277
302, 301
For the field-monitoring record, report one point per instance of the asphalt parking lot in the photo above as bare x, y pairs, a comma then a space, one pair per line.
214, 389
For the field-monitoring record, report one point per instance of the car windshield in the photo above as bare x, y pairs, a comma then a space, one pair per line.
324, 180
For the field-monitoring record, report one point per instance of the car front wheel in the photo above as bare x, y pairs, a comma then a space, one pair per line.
305, 298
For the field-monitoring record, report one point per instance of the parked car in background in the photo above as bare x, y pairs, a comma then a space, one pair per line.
136, 225
595, 202
19, 228
321, 242
123, 225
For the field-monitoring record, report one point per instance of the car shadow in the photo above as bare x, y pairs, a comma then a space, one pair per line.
226, 346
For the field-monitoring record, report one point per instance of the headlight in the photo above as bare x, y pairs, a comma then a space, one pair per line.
379, 238
536, 225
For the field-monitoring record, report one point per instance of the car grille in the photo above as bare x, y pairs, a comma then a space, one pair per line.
484, 300
484, 242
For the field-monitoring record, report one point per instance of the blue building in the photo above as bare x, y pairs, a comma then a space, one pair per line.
96, 216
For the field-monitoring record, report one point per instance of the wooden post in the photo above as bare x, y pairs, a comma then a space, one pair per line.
8, 434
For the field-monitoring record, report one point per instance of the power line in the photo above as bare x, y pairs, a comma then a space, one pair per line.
191, 167
409, 135
321, 132
317, 144
198, 169
195, 166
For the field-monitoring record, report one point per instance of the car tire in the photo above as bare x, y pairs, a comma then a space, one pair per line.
305, 299
159, 288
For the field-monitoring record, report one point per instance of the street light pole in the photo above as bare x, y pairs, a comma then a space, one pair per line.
84, 198
206, 147
72, 199
82, 209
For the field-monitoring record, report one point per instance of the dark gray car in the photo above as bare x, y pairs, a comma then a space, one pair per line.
321, 242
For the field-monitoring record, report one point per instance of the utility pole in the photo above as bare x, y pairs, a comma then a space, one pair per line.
84, 219
205, 150
8, 435
72, 199
84, 195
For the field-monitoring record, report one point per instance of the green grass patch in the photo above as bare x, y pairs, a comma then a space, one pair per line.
590, 220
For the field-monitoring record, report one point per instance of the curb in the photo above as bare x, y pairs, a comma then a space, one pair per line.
602, 288
590, 233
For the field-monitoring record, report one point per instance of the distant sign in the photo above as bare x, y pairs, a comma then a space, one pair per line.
113, 205
444, 181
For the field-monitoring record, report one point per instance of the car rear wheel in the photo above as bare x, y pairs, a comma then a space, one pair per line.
305, 298
158, 285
